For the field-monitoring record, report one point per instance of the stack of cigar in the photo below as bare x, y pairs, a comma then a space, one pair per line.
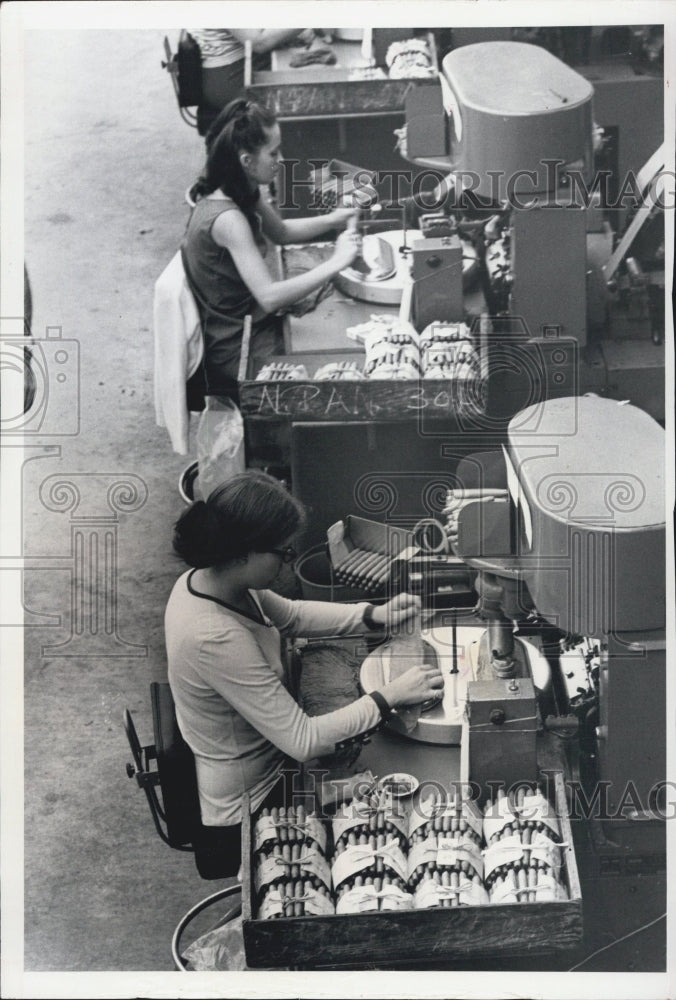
294, 891
281, 371
379, 883
445, 866
376, 832
364, 569
281, 862
532, 857
447, 875
451, 823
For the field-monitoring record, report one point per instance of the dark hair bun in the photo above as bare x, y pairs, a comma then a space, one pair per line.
196, 536
251, 512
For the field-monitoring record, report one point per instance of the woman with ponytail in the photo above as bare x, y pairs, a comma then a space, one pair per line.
223, 626
224, 245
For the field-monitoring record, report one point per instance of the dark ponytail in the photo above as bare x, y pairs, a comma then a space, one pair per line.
240, 126
252, 512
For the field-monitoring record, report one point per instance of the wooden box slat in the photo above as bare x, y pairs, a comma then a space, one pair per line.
388, 938
363, 400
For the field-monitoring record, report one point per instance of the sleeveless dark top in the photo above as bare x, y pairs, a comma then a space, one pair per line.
222, 297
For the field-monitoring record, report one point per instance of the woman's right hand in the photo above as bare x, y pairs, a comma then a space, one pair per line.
348, 246
416, 685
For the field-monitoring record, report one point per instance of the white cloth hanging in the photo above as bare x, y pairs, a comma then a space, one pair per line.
178, 350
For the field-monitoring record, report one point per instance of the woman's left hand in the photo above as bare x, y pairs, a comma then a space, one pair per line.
340, 218
398, 610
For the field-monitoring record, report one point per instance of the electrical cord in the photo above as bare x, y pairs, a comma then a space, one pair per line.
618, 941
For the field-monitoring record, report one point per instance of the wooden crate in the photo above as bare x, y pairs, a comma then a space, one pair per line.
389, 938
328, 91
363, 400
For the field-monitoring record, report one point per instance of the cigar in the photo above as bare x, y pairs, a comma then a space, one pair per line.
352, 839
340, 847
287, 894
343, 565
380, 842
292, 823
377, 566
532, 882
445, 881
282, 828
363, 569
295, 855
455, 884
299, 904
308, 889
383, 572
360, 556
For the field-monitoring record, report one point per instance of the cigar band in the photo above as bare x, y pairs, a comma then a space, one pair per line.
364, 898
538, 809
452, 852
545, 850
359, 856
504, 852
266, 829
361, 811
437, 810
429, 893
311, 863
499, 815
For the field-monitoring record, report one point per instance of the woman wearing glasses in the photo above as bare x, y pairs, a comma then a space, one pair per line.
223, 628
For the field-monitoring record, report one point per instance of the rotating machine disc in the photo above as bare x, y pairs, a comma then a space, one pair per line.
440, 721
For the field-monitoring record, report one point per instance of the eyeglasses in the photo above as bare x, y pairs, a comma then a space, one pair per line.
288, 554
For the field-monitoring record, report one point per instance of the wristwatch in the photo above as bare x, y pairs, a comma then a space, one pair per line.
383, 704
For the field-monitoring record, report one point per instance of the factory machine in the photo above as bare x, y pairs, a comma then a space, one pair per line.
571, 255
560, 520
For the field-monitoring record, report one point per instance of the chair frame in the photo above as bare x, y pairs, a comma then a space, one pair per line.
171, 66
148, 779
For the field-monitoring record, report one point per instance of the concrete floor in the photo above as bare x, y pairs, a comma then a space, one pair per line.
107, 161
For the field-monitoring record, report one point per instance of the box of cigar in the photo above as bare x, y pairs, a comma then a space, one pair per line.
389, 372
362, 552
386, 881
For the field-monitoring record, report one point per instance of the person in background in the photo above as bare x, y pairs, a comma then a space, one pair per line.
223, 629
223, 62
225, 243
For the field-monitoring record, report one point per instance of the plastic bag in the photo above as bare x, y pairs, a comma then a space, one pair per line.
219, 950
220, 444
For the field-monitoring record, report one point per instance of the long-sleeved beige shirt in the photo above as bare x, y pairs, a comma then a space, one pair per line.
235, 713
